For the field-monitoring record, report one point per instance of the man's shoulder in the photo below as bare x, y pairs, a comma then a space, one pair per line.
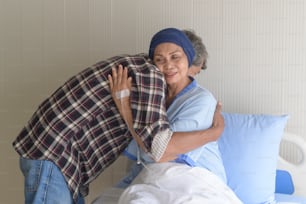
140, 58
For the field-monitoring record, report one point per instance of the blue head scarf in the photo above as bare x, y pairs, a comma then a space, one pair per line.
173, 35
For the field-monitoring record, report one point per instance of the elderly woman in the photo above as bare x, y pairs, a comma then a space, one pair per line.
190, 107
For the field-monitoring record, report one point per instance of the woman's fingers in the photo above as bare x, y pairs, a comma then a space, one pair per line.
119, 79
111, 83
119, 75
124, 76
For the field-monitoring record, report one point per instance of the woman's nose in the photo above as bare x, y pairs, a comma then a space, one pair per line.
168, 65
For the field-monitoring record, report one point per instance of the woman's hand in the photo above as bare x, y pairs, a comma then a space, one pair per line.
120, 86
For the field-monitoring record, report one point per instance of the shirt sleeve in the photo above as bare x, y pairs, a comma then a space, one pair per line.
149, 105
194, 113
159, 144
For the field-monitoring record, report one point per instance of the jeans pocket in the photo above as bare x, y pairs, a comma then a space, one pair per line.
31, 170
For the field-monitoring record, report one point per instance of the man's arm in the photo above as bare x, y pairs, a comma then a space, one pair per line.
180, 142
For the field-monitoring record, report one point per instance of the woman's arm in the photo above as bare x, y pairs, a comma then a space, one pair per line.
120, 86
180, 142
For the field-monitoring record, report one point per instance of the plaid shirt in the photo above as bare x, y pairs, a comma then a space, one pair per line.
80, 129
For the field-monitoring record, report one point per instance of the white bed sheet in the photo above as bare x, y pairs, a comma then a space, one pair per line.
112, 195
177, 183
172, 183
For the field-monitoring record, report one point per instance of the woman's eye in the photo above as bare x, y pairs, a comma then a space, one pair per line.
158, 60
175, 57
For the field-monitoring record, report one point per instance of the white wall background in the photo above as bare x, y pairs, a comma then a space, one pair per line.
257, 60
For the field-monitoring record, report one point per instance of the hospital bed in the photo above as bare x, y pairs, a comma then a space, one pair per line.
252, 163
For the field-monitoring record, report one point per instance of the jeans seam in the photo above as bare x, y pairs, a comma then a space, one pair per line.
47, 183
38, 171
38, 176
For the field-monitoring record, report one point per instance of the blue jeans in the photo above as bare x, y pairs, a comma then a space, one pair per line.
134, 170
44, 183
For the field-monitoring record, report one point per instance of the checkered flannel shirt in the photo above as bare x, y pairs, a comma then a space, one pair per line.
80, 129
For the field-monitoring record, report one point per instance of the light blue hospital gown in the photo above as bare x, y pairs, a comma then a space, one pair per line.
192, 109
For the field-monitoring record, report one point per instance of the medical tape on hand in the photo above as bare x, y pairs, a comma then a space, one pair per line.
123, 93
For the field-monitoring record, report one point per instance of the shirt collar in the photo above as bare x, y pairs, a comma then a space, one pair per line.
187, 88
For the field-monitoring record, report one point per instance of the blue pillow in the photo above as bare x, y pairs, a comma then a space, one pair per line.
249, 149
283, 182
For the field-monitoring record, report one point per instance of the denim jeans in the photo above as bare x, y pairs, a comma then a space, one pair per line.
134, 170
44, 183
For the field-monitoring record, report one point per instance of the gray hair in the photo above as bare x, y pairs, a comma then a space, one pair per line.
201, 53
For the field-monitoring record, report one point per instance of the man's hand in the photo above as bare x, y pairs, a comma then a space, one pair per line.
218, 120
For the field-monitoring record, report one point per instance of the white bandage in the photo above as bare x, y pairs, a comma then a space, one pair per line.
123, 93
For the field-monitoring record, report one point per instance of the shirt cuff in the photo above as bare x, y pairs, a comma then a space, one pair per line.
159, 144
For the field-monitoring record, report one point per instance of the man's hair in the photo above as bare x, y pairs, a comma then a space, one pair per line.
201, 53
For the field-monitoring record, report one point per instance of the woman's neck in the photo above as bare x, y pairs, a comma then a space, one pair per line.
175, 89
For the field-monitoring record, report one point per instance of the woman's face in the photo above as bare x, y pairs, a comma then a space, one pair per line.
172, 62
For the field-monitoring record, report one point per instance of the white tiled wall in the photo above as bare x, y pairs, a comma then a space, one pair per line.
257, 52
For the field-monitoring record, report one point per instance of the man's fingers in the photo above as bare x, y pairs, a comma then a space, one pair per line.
219, 106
